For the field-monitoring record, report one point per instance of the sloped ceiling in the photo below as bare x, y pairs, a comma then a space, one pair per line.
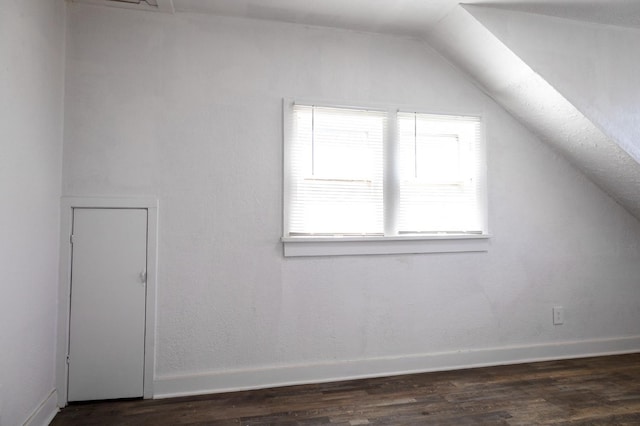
622, 13
474, 39
531, 99
464, 40
407, 17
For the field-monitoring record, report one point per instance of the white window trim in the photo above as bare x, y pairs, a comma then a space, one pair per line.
342, 246
388, 244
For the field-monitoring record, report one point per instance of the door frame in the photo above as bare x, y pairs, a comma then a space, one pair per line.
64, 292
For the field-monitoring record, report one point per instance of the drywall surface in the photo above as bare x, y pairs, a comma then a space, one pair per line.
31, 116
189, 108
595, 66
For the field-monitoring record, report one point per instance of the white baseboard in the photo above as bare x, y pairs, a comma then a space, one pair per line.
258, 378
45, 413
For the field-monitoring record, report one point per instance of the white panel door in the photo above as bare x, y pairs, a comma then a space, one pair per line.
107, 316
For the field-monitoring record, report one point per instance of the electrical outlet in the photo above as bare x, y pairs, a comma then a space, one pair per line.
558, 315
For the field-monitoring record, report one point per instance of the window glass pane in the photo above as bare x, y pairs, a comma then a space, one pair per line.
439, 173
438, 158
336, 171
345, 144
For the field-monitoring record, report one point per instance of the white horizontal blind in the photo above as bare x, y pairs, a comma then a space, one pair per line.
439, 164
336, 171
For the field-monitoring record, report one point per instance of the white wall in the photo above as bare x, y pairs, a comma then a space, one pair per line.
31, 117
595, 66
188, 108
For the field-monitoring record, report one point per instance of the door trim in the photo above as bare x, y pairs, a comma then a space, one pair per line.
64, 291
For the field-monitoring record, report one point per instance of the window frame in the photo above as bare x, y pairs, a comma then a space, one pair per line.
391, 242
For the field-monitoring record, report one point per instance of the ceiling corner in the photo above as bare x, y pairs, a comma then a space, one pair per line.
166, 6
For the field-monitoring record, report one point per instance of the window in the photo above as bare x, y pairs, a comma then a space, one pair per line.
363, 181
439, 170
336, 179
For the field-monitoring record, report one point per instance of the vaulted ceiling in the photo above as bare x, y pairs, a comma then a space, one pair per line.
408, 17
462, 34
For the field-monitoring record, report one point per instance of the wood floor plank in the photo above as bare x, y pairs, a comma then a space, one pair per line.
590, 391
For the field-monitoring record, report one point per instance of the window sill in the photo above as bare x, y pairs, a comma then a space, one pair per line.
346, 246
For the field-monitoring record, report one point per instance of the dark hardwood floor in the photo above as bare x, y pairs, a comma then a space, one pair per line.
590, 391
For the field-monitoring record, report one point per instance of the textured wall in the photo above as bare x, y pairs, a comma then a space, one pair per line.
188, 108
31, 118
